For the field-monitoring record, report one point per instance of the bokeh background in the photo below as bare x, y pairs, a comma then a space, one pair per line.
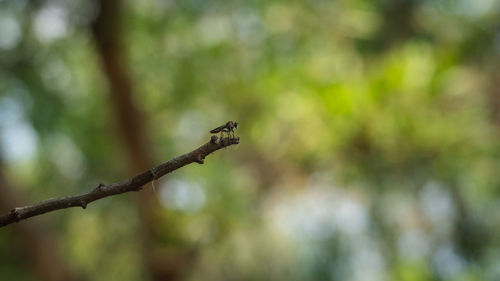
369, 139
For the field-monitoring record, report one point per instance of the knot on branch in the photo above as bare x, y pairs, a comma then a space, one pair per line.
200, 159
99, 188
16, 214
155, 174
83, 203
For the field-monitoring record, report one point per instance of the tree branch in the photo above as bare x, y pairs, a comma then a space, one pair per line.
133, 184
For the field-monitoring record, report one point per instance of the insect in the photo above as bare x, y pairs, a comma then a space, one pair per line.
228, 128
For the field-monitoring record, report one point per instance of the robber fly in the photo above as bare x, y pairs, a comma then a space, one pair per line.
228, 128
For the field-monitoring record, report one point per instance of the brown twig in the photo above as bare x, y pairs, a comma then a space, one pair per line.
133, 184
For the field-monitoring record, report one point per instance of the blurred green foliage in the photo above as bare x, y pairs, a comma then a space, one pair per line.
369, 136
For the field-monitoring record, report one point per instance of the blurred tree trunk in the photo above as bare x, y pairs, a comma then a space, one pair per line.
106, 30
38, 247
494, 96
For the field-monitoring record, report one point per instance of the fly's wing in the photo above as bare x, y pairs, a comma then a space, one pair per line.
218, 129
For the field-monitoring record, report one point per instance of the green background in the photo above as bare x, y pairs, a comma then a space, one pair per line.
369, 139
